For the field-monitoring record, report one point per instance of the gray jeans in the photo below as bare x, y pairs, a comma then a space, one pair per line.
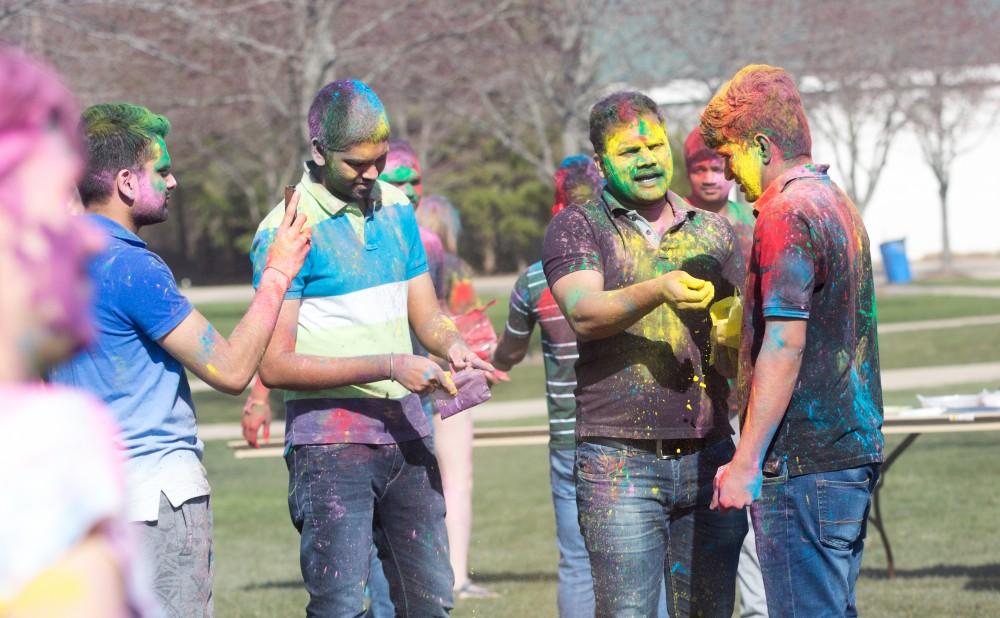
178, 548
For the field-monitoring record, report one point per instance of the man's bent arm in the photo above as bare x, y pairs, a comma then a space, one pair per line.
229, 365
774, 377
283, 367
594, 313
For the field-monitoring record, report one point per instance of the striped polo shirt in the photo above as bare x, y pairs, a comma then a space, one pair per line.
532, 302
353, 288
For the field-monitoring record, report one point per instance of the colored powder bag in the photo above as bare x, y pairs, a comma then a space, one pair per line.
473, 389
477, 330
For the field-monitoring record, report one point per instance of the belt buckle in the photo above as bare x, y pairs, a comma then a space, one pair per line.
661, 455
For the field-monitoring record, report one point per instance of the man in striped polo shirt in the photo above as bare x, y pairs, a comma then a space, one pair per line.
577, 181
357, 440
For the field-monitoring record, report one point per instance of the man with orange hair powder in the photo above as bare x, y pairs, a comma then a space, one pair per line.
809, 383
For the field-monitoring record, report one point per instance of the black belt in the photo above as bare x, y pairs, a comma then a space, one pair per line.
663, 449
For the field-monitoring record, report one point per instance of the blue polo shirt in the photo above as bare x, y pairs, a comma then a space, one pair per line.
138, 303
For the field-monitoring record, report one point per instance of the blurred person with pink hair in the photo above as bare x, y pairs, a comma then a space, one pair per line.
64, 546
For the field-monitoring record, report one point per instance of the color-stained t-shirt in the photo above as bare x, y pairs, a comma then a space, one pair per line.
811, 260
742, 220
59, 489
353, 290
137, 303
531, 303
435, 255
653, 380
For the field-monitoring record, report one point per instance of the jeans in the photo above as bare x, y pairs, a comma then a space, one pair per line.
576, 584
342, 497
178, 546
646, 520
810, 537
576, 587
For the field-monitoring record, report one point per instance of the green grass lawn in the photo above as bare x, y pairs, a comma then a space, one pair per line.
941, 514
938, 499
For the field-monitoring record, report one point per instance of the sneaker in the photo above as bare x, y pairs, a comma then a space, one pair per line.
469, 590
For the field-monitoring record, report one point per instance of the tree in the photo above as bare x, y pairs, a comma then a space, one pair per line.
948, 115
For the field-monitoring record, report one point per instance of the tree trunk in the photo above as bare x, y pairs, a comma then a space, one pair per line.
945, 237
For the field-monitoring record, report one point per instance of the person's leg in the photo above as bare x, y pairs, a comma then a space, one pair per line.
576, 586
411, 536
753, 603
704, 545
623, 521
453, 446
331, 502
377, 591
179, 548
810, 536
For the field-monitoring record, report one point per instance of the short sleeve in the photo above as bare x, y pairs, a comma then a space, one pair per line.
784, 248
258, 258
148, 295
570, 245
520, 317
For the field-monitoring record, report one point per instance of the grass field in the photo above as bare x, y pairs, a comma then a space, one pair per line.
939, 500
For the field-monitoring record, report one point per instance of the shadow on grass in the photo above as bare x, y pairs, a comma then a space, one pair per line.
283, 585
982, 577
488, 577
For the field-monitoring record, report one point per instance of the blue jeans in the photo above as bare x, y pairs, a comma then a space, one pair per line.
576, 584
576, 588
810, 537
646, 520
342, 497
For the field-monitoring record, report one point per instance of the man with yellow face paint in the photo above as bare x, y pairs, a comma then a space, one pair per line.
634, 272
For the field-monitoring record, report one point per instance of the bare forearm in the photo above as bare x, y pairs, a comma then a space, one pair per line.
596, 315
306, 372
510, 351
774, 378
437, 333
236, 361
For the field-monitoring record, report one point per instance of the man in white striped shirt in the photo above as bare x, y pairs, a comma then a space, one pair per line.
531, 302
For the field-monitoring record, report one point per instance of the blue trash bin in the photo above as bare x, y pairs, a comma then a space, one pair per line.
897, 267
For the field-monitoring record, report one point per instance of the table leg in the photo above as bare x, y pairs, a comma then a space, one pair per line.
876, 518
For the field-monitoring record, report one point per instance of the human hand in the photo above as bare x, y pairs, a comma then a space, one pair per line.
461, 357
291, 242
686, 292
736, 486
420, 375
256, 414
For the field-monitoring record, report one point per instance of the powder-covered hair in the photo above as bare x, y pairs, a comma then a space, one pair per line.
119, 136
32, 100
439, 215
616, 109
577, 181
758, 99
345, 113
401, 153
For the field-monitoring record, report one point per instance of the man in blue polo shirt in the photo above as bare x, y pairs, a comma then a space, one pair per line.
358, 452
148, 333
